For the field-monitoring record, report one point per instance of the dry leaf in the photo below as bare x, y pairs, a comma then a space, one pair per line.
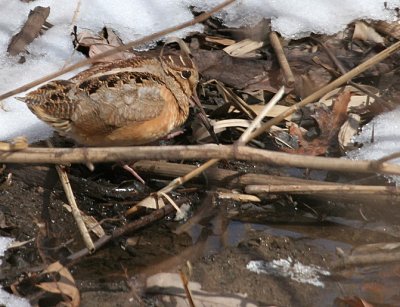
309, 81
233, 72
65, 286
98, 44
358, 101
366, 33
392, 29
261, 82
329, 123
152, 203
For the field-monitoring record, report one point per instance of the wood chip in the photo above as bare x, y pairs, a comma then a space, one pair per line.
220, 40
243, 49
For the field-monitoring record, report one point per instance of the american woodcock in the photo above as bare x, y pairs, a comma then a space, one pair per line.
127, 102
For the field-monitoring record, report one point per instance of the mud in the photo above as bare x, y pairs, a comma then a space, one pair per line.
219, 247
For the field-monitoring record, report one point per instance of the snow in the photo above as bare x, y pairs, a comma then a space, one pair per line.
309, 274
134, 19
295, 19
7, 299
379, 138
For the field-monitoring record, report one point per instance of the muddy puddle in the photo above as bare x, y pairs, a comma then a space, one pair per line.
280, 252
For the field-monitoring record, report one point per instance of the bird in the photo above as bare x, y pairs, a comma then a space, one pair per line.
126, 102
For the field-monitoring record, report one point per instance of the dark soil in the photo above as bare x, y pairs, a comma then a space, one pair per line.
218, 248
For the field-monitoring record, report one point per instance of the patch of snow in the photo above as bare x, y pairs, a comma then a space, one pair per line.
7, 299
384, 130
296, 19
306, 274
134, 19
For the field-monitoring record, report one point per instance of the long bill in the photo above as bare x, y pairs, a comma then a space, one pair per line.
195, 102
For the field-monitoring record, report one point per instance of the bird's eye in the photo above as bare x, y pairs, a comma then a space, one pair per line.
186, 74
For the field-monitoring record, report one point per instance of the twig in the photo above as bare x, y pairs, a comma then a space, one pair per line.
218, 176
178, 181
74, 207
73, 21
343, 71
75, 210
199, 152
388, 158
175, 183
322, 189
185, 283
135, 225
329, 87
244, 138
129, 45
283, 62
181, 180
235, 180
363, 260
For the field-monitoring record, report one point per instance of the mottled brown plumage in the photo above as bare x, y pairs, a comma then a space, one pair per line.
128, 102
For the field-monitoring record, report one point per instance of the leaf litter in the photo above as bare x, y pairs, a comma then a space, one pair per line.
246, 75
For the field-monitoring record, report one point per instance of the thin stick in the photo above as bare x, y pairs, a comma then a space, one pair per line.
244, 138
235, 180
129, 45
75, 210
175, 183
74, 207
199, 152
283, 62
363, 260
329, 87
139, 223
185, 283
324, 189
388, 157
181, 180
343, 70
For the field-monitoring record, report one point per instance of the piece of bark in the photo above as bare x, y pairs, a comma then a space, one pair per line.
29, 31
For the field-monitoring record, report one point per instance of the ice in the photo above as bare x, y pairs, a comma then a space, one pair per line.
7, 299
134, 19
379, 138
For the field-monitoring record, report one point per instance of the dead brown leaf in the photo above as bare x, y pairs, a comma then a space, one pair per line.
329, 123
29, 31
97, 44
65, 285
233, 72
392, 29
